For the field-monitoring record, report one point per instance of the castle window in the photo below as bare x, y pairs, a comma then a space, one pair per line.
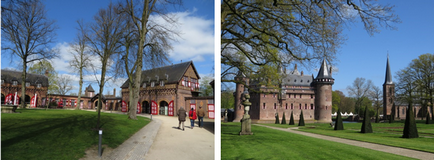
311, 96
27, 84
264, 95
327, 107
144, 85
299, 107
295, 80
152, 84
38, 85
295, 96
292, 106
161, 83
263, 106
300, 95
305, 106
14, 83
275, 107
311, 106
286, 106
301, 80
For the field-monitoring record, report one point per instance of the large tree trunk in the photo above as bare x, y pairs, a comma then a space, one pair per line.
23, 84
80, 82
101, 89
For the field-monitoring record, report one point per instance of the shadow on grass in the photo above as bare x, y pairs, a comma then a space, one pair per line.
35, 129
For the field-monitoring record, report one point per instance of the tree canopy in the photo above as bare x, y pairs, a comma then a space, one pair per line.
260, 32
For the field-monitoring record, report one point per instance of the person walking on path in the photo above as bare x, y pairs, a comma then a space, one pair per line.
181, 117
192, 116
200, 114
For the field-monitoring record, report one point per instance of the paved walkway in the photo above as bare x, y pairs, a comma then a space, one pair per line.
378, 147
160, 139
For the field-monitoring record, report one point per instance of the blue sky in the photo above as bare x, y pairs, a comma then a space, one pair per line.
196, 23
366, 56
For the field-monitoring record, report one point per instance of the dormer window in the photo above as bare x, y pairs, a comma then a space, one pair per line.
161, 83
27, 84
14, 83
38, 85
152, 84
144, 85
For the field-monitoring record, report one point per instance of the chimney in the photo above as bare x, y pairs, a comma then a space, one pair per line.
302, 73
46, 72
114, 92
295, 67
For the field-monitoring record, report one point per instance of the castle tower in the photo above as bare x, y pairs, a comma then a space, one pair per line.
388, 92
323, 94
239, 108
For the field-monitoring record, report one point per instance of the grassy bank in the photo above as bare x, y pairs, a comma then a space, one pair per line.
61, 134
267, 143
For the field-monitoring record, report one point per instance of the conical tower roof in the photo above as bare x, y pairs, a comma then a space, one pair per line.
323, 71
388, 79
90, 89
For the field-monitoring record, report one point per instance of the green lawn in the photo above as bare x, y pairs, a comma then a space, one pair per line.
61, 134
384, 133
268, 143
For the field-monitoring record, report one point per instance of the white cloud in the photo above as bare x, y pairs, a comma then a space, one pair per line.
196, 38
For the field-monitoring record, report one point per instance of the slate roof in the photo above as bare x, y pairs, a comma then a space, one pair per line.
324, 71
174, 72
89, 88
388, 79
297, 80
8, 76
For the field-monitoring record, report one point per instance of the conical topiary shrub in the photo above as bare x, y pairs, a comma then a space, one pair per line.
277, 119
427, 119
283, 119
291, 120
339, 125
366, 126
377, 118
410, 129
301, 121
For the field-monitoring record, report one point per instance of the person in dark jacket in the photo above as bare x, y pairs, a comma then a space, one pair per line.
200, 114
181, 117
192, 115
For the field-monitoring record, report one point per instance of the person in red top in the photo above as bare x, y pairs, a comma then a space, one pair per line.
192, 116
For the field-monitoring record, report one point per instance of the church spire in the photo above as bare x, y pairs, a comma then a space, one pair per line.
388, 79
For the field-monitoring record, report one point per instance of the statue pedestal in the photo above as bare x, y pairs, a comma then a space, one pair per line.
246, 123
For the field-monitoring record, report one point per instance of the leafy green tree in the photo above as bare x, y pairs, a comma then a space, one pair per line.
360, 90
283, 119
227, 98
339, 125
43, 67
205, 87
291, 120
336, 100
366, 126
301, 121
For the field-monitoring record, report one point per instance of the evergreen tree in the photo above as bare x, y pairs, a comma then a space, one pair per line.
301, 121
427, 119
339, 124
291, 120
366, 126
277, 119
283, 119
410, 129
